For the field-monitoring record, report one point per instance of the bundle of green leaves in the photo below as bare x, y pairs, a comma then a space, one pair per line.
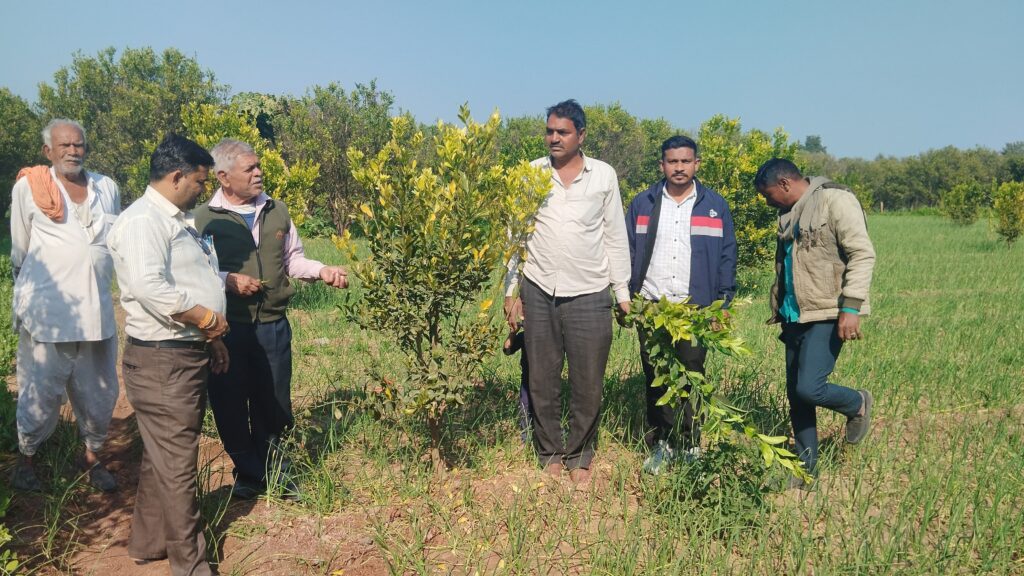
665, 324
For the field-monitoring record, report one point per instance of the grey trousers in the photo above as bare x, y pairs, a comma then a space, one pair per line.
167, 388
576, 329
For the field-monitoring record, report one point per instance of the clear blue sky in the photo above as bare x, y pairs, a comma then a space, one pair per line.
870, 76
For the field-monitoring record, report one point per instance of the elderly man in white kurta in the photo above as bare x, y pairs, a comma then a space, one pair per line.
63, 310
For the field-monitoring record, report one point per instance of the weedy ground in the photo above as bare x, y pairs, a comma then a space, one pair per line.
938, 488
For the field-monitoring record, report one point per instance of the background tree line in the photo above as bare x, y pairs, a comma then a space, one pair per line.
128, 100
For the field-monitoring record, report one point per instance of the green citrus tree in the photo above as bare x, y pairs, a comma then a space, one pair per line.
435, 236
207, 124
122, 99
1008, 211
729, 160
962, 201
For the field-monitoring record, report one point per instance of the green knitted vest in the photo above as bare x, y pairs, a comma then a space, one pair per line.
237, 252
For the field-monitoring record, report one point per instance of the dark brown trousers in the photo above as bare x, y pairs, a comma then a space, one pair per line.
167, 389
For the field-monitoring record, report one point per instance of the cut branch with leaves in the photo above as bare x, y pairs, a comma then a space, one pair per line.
665, 324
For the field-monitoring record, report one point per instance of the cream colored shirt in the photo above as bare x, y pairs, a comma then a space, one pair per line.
578, 245
62, 269
163, 268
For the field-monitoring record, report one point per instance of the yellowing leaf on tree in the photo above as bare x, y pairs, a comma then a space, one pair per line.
365, 208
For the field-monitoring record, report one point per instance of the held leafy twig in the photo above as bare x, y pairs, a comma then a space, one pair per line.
666, 323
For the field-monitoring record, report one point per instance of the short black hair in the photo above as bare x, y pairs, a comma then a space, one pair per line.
177, 153
679, 141
571, 110
774, 170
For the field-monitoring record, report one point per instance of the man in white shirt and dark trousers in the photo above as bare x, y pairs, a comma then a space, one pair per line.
577, 250
682, 245
174, 304
63, 309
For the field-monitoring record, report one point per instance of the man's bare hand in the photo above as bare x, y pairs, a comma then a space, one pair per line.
716, 325
513, 312
849, 327
242, 284
335, 276
212, 324
218, 329
620, 312
219, 360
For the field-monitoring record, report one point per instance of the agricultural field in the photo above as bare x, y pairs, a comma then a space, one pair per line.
938, 487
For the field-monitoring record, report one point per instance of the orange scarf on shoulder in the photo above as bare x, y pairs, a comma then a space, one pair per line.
45, 192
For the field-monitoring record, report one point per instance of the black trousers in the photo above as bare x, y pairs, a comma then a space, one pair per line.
576, 329
665, 420
252, 402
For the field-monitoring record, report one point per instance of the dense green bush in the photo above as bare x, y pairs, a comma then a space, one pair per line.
1008, 211
319, 127
962, 202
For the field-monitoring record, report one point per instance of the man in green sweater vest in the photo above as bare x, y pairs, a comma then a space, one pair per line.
259, 249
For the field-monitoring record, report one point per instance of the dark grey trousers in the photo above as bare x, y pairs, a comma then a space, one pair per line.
167, 389
576, 329
251, 402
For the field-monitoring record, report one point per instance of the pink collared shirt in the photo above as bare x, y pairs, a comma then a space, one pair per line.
295, 262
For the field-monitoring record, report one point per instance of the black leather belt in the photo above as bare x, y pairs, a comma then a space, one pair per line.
189, 344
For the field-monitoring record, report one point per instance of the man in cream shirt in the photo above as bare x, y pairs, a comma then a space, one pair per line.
63, 310
578, 249
174, 301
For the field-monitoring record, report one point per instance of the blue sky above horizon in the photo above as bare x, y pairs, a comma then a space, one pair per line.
870, 77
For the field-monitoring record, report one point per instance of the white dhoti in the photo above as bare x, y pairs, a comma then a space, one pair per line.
85, 370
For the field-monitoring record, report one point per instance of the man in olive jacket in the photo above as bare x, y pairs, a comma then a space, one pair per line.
823, 264
258, 249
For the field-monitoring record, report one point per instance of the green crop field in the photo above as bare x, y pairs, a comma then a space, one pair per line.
938, 487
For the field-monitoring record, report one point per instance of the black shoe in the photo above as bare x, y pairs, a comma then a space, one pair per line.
245, 489
23, 477
101, 479
858, 427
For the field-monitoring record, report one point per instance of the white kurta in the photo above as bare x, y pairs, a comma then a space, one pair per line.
63, 270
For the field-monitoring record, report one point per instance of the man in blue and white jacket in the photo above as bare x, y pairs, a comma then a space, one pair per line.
682, 245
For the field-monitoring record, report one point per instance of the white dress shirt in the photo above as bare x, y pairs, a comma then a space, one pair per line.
163, 268
62, 269
578, 245
668, 274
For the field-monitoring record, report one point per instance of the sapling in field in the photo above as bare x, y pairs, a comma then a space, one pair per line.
1008, 211
435, 235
